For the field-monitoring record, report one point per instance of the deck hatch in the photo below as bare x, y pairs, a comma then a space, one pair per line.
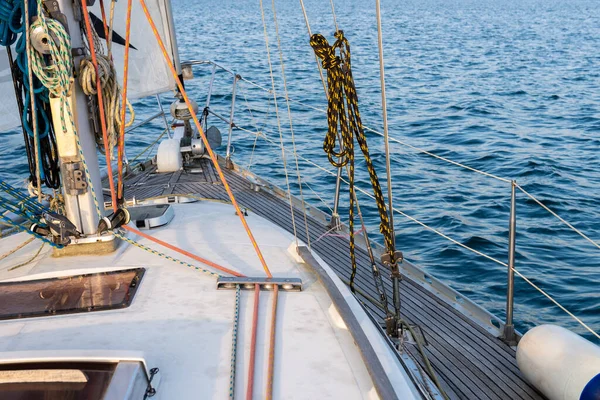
70, 294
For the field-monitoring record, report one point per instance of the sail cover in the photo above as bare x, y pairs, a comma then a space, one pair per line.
148, 71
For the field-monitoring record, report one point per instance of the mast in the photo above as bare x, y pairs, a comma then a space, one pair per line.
79, 199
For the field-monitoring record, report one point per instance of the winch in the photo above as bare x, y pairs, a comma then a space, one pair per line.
191, 144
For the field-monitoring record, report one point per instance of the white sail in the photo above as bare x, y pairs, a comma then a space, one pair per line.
148, 72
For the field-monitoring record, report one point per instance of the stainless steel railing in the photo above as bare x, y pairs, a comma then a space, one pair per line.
508, 334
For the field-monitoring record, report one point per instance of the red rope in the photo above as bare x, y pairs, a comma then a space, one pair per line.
271, 369
250, 387
212, 155
181, 251
121, 151
103, 13
105, 136
88, 28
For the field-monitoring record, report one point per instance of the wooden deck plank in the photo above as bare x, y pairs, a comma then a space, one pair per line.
449, 355
469, 361
494, 381
447, 364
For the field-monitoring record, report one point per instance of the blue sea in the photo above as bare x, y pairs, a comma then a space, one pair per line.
508, 87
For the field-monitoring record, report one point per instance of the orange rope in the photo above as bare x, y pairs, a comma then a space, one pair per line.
88, 27
212, 155
271, 369
250, 387
103, 13
181, 251
123, 103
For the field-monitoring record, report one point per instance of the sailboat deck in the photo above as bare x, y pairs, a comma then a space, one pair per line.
470, 362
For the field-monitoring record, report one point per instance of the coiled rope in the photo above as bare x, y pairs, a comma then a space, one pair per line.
343, 114
55, 71
111, 94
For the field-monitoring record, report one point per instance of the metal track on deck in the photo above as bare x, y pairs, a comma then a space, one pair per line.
470, 361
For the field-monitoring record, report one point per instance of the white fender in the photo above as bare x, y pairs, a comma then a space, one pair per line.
168, 156
560, 364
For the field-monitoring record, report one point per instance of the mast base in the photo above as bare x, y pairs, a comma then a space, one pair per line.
91, 245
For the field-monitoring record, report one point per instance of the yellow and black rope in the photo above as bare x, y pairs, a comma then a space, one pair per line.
342, 112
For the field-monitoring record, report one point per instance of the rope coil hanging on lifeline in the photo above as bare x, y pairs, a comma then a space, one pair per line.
343, 114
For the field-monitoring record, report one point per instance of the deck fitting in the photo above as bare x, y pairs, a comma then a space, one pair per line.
247, 283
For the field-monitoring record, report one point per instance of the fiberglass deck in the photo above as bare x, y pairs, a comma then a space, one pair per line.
470, 362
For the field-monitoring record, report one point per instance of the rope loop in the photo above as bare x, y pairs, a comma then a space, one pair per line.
345, 125
324, 51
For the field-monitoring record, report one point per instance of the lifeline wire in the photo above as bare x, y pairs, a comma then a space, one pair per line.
418, 149
577, 319
289, 112
557, 216
283, 157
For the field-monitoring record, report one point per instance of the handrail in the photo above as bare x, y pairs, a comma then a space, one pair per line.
420, 150
583, 235
456, 163
509, 265
146, 121
434, 230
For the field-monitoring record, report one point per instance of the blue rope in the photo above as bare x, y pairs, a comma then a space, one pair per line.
8, 221
12, 30
9, 17
27, 207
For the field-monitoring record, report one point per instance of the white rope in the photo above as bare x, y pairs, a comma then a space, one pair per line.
283, 157
111, 92
334, 16
309, 35
557, 216
386, 137
289, 112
